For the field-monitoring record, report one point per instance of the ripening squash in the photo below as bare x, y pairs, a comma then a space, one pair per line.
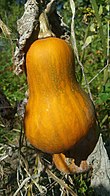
59, 114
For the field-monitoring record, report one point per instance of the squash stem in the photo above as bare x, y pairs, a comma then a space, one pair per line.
45, 30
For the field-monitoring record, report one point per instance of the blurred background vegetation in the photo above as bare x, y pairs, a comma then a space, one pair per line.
92, 21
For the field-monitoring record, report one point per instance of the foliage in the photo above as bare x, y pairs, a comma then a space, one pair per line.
12, 85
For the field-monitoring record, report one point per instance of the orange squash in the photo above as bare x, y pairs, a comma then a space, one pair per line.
59, 114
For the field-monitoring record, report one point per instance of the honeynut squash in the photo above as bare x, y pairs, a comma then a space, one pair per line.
59, 116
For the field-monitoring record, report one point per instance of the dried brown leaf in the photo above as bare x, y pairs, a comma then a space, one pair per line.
25, 24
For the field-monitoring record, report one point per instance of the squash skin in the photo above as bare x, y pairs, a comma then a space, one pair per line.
59, 113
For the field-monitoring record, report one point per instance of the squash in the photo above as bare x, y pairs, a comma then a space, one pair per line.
59, 114
59, 117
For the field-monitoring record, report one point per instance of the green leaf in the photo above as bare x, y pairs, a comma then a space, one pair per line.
92, 27
100, 10
107, 8
88, 41
103, 97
